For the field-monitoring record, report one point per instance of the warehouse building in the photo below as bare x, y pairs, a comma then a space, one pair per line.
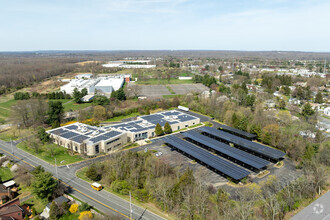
144, 126
101, 85
88, 140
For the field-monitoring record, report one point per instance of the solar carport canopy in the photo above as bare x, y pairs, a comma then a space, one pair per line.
237, 154
217, 163
237, 131
249, 145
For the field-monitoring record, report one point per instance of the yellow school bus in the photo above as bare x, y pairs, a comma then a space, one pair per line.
96, 186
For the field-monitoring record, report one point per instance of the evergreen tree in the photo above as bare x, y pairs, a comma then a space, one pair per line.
282, 104
167, 128
307, 110
319, 98
159, 130
55, 113
42, 135
77, 95
44, 185
121, 94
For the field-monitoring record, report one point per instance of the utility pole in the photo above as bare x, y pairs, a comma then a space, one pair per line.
56, 173
130, 205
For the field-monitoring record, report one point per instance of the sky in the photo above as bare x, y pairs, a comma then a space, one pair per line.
256, 25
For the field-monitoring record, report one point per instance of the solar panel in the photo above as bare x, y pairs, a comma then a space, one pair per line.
69, 135
217, 163
112, 134
58, 131
236, 131
79, 138
72, 127
243, 143
227, 150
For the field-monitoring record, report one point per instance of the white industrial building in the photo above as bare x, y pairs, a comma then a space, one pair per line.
101, 85
130, 64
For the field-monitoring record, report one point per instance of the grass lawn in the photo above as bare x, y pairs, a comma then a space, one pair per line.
15, 134
34, 201
119, 118
5, 108
5, 174
69, 104
60, 153
163, 81
150, 206
70, 216
171, 96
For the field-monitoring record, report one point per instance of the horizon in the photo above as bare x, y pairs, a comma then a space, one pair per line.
126, 25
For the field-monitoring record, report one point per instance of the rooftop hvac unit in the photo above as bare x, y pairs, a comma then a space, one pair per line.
95, 132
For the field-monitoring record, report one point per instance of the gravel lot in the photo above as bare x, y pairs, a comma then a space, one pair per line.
154, 91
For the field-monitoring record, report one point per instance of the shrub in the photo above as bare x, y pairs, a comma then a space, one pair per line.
73, 208
84, 207
121, 187
92, 173
86, 215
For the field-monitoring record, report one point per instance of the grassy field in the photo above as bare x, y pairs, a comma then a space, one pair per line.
15, 134
69, 104
45, 153
163, 82
119, 118
5, 174
5, 108
150, 206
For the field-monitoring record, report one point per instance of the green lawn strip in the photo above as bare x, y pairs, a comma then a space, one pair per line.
81, 174
163, 82
5, 174
60, 153
74, 106
70, 216
119, 118
170, 90
171, 96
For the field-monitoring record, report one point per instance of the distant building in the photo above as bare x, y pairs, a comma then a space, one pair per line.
270, 103
144, 126
87, 98
88, 140
84, 76
326, 111
101, 85
130, 64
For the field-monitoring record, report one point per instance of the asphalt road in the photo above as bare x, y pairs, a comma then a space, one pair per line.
104, 201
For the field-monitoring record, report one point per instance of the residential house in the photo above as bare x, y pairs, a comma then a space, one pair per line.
12, 210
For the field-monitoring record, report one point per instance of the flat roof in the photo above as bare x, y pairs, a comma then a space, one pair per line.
80, 133
147, 122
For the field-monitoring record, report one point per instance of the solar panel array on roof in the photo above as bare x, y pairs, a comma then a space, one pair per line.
58, 131
79, 138
237, 131
227, 150
246, 144
72, 127
171, 113
112, 134
69, 135
184, 118
105, 136
217, 163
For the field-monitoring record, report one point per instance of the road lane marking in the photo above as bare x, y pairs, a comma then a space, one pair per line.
72, 187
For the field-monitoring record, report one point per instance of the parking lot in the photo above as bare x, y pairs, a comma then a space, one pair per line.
154, 91
182, 89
